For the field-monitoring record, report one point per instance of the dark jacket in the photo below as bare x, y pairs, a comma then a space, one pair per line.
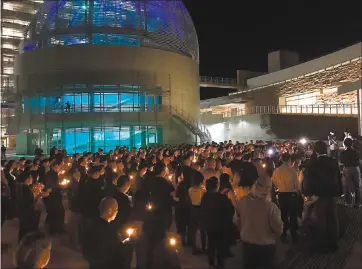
92, 194
324, 178
124, 206
54, 200
74, 197
42, 175
26, 203
216, 211
157, 191
350, 158
101, 245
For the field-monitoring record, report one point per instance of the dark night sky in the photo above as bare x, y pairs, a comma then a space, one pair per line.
238, 34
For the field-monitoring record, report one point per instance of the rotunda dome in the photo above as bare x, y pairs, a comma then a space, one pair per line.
165, 25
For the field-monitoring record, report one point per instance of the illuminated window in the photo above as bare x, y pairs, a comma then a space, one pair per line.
68, 40
116, 39
302, 99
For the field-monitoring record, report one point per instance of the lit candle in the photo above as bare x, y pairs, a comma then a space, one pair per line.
115, 170
264, 165
130, 231
149, 206
172, 241
64, 182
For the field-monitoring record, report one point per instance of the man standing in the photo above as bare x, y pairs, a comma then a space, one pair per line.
54, 203
324, 181
352, 174
333, 145
285, 178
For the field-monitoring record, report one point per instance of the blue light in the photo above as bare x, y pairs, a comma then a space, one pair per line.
157, 24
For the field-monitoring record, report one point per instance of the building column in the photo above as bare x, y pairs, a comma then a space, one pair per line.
159, 131
131, 137
143, 136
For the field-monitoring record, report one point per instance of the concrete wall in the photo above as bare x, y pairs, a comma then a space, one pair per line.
176, 74
243, 75
281, 59
240, 128
329, 60
269, 127
176, 133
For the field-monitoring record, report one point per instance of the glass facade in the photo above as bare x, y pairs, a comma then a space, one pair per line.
160, 24
78, 140
129, 101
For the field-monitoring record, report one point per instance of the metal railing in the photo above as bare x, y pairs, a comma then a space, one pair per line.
201, 130
218, 80
85, 109
196, 127
339, 109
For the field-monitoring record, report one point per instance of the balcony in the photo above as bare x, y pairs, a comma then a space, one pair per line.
326, 110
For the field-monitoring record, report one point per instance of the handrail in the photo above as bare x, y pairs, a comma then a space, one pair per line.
218, 80
91, 108
202, 130
192, 121
334, 109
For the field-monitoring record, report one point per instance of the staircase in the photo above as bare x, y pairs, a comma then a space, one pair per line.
197, 129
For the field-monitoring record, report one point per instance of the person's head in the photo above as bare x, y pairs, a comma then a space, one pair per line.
123, 183
247, 176
75, 173
247, 157
212, 184
197, 178
286, 158
238, 156
56, 166
44, 162
10, 165
108, 209
210, 163
166, 159
262, 186
34, 251
187, 160
142, 168
348, 142
120, 165
95, 171
320, 148
225, 182
161, 169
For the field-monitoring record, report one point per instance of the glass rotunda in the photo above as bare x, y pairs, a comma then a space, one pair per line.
100, 73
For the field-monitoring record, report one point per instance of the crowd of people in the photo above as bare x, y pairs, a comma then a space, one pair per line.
126, 201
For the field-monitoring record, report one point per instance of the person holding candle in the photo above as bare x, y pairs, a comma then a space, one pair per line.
54, 203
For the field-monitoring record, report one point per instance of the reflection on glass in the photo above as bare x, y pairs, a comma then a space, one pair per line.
96, 101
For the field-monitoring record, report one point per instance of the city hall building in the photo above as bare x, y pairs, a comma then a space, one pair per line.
293, 99
92, 74
98, 74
